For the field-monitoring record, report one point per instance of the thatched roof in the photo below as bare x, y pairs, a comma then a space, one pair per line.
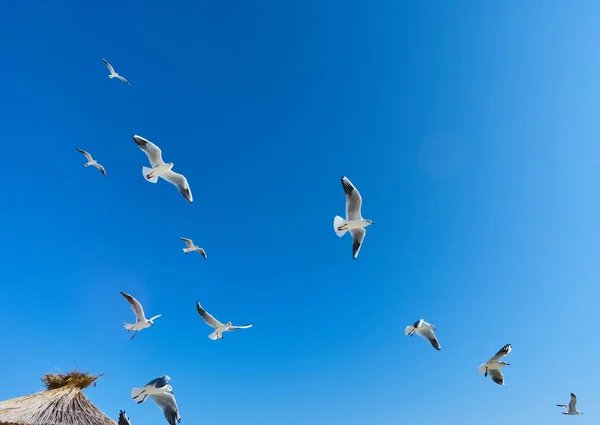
62, 403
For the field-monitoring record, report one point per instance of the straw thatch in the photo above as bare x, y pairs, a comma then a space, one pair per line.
62, 403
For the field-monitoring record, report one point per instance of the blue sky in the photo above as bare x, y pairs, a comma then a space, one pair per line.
470, 128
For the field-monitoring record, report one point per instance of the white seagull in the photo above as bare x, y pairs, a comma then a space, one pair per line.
219, 327
140, 319
493, 365
571, 410
162, 394
354, 221
92, 161
123, 419
424, 330
113, 74
191, 247
160, 168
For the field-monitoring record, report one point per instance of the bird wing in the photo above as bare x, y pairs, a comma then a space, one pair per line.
166, 401
427, 333
353, 200
87, 155
207, 317
120, 77
188, 242
496, 376
123, 419
573, 402
358, 235
110, 68
101, 168
150, 149
501, 353
235, 328
135, 306
202, 252
181, 182
159, 382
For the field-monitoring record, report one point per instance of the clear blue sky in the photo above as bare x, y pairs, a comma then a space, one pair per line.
471, 129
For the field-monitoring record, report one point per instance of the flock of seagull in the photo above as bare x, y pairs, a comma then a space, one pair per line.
159, 389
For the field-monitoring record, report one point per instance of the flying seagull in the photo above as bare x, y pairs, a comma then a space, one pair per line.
140, 319
161, 169
92, 161
191, 247
424, 330
162, 394
493, 365
219, 327
571, 410
123, 419
354, 221
113, 74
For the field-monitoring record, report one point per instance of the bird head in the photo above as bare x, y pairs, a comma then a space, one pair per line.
169, 388
228, 324
151, 322
369, 222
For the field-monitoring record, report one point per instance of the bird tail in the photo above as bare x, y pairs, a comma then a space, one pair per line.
186, 250
214, 336
481, 368
145, 172
128, 326
408, 330
136, 392
337, 222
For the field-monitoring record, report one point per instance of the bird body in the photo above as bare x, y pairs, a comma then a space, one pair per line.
354, 222
571, 410
424, 330
114, 74
160, 168
92, 162
162, 394
191, 247
493, 365
218, 326
141, 321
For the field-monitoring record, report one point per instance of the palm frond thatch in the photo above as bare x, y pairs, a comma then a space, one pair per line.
62, 403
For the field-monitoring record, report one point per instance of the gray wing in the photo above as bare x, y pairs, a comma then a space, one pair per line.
501, 353
159, 382
123, 79
496, 376
150, 149
135, 306
207, 317
573, 402
358, 235
202, 252
353, 200
427, 333
181, 182
101, 168
235, 328
166, 401
87, 155
110, 68
188, 242
123, 419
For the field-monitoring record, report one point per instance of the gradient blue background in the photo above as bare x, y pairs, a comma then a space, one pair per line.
471, 129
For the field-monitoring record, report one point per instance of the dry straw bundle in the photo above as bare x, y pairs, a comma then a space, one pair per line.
62, 403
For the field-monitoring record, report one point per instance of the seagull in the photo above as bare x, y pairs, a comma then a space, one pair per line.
140, 319
493, 365
191, 247
354, 221
571, 410
113, 74
161, 169
162, 394
92, 161
123, 419
425, 330
219, 327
